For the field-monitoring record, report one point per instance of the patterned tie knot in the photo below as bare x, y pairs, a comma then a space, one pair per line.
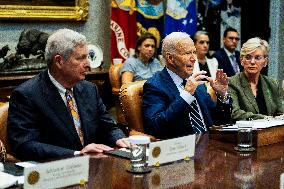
69, 98
68, 92
183, 82
233, 57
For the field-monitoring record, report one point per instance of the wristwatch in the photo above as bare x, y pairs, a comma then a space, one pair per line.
223, 98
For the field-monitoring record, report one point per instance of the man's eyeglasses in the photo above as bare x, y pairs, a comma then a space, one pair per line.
257, 58
234, 38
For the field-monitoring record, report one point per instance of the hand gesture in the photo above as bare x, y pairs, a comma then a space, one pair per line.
195, 80
220, 84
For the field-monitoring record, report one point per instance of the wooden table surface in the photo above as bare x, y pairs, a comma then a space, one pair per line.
215, 165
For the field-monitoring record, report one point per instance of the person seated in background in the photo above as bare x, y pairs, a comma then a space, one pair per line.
254, 95
210, 65
57, 113
228, 57
143, 64
175, 101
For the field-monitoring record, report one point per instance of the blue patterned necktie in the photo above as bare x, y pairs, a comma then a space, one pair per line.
72, 107
195, 118
235, 64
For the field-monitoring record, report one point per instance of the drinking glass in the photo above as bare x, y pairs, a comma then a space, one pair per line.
139, 147
245, 136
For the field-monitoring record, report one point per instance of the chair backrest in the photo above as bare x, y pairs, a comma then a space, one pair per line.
3, 126
115, 81
3, 131
131, 102
115, 78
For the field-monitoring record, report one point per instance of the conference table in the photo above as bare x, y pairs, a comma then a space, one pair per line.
215, 165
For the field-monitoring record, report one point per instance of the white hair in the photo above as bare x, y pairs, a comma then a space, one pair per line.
62, 42
252, 44
170, 42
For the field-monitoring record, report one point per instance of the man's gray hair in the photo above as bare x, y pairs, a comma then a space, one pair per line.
170, 42
62, 42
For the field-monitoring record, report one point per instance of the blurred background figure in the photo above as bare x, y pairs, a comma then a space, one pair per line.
228, 57
203, 62
255, 95
143, 64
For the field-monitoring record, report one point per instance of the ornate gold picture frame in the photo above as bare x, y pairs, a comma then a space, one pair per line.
65, 10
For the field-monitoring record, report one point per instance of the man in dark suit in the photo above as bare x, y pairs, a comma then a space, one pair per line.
44, 123
175, 101
228, 57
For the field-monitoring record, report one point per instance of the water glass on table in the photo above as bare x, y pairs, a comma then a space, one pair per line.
245, 136
139, 147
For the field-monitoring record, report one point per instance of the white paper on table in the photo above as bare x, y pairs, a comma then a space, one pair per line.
26, 164
259, 124
7, 180
266, 123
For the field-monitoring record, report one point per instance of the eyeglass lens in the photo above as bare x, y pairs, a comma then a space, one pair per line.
256, 58
202, 42
234, 38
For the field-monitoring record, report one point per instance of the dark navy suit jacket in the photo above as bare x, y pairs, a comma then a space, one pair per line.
40, 126
224, 62
166, 114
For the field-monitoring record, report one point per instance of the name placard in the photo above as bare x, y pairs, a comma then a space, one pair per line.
57, 174
171, 150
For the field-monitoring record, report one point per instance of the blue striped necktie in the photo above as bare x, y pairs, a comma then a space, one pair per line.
195, 118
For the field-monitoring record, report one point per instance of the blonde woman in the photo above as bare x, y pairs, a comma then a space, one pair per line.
254, 95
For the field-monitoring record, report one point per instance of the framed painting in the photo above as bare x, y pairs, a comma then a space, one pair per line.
64, 10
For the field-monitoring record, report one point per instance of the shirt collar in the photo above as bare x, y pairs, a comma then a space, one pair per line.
229, 53
177, 79
59, 87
